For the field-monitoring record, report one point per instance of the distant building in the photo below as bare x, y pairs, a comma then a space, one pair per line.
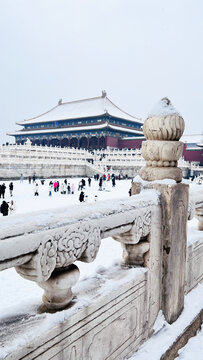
94, 123
193, 148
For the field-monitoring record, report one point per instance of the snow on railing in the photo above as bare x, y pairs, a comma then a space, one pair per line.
43, 246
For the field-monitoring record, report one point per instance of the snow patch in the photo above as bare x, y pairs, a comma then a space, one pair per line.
193, 349
163, 108
144, 182
157, 345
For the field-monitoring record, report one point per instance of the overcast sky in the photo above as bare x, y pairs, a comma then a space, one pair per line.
137, 50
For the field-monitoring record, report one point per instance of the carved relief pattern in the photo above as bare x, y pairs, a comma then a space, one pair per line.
140, 228
168, 127
42, 264
162, 153
61, 249
47, 251
79, 241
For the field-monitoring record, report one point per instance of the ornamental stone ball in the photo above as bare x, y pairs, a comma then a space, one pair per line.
162, 129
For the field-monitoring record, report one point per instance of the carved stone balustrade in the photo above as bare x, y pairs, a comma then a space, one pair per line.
162, 129
43, 246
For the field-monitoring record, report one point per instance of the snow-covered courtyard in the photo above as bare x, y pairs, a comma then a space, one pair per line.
20, 296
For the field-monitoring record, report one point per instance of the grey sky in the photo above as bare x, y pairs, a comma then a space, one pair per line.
137, 50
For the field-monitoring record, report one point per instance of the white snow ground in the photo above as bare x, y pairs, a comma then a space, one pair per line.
165, 334
193, 349
19, 296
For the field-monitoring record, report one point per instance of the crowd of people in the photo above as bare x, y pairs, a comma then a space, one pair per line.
63, 187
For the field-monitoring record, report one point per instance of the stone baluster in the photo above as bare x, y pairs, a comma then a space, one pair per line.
163, 129
52, 266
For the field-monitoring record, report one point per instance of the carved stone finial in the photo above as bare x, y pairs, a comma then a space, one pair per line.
60, 102
162, 129
104, 94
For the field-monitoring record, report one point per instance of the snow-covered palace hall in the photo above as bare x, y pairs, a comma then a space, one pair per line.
94, 123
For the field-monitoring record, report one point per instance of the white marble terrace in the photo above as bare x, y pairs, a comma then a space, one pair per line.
31, 159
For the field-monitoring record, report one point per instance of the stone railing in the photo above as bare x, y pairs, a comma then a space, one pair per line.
32, 154
45, 250
44, 246
29, 154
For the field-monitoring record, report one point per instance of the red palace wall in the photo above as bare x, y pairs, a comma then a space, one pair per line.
121, 144
111, 141
193, 155
130, 144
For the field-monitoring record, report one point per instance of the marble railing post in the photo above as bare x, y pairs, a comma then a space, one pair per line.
163, 129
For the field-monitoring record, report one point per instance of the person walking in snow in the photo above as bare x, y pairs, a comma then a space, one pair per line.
89, 181
68, 188
12, 207
62, 188
4, 208
80, 185
113, 181
36, 189
3, 189
11, 188
21, 178
82, 196
100, 183
50, 188
72, 188
55, 186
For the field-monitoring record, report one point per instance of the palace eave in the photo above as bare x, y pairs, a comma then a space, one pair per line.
105, 125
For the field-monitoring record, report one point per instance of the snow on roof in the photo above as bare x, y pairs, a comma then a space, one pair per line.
163, 107
76, 128
82, 108
192, 139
